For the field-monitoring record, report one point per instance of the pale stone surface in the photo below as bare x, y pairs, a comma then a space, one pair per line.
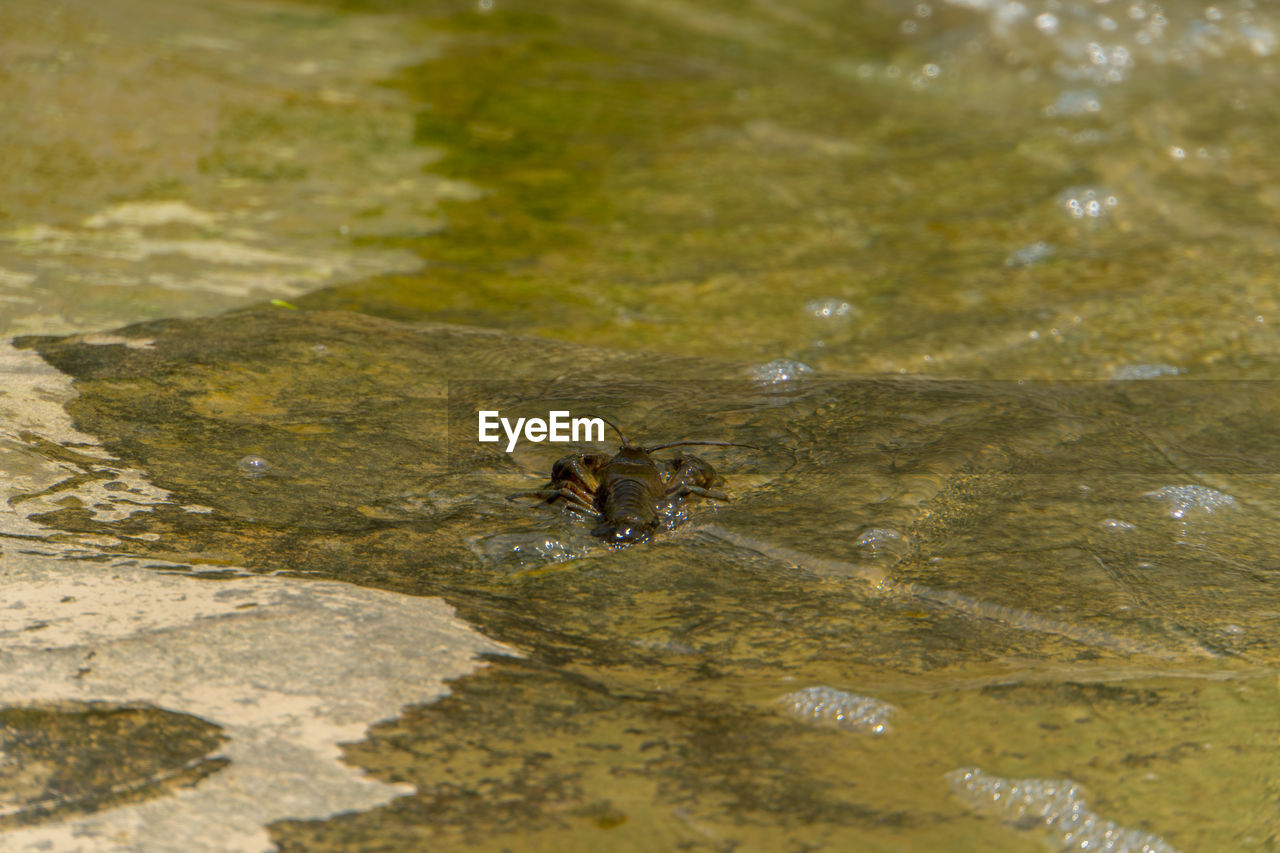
289, 668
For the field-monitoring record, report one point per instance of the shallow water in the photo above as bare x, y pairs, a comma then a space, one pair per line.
740, 223
1019, 568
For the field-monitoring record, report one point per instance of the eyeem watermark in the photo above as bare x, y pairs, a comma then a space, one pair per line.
558, 426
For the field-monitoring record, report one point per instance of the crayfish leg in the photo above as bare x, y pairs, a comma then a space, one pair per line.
580, 470
691, 475
572, 498
685, 489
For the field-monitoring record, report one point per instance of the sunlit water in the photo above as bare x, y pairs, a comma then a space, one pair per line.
936, 614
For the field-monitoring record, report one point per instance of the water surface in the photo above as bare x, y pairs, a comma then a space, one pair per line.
747, 223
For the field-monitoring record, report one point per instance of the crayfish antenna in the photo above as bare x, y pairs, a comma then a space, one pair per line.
625, 443
698, 444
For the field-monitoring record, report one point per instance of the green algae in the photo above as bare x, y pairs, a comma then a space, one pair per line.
660, 176
77, 758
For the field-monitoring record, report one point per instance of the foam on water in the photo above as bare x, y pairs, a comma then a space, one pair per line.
779, 370
1104, 44
826, 706
526, 550
1028, 255
1192, 500
1074, 103
827, 309
1055, 805
1130, 372
1089, 204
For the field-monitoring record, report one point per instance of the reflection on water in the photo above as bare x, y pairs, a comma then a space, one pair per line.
743, 207
176, 160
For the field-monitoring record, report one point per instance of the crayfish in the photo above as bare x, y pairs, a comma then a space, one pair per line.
625, 492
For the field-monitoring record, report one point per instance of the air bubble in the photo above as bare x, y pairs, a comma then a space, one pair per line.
1087, 203
1074, 104
883, 545
1144, 371
828, 308
778, 371
1008, 14
1261, 42
1192, 500
1028, 255
1056, 805
515, 551
826, 706
254, 466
